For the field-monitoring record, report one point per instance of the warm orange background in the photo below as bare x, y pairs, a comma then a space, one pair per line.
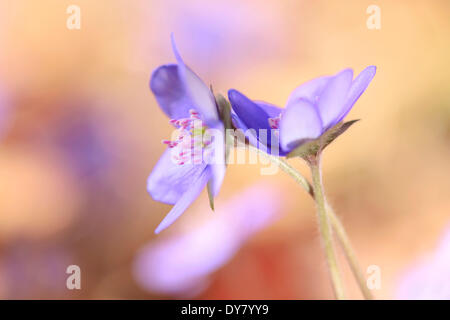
83, 132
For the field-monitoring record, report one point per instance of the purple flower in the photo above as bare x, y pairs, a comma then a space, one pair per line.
191, 160
4, 112
428, 278
312, 109
181, 264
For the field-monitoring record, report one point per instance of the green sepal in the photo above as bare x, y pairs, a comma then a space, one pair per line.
224, 111
210, 196
224, 108
313, 147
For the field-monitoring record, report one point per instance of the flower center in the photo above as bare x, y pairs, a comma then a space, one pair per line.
274, 123
188, 141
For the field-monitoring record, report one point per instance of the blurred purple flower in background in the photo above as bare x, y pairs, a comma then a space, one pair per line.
179, 176
4, 112
33, 270
82, 137
312, 108
180, 265
216, 33
428, 278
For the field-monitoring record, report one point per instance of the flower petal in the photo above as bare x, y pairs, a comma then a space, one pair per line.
333, 98
359, 85
254, 115
199, 94
240, 125
310, 90
299, 122
194, 190
169, 180
169, 91
218, 164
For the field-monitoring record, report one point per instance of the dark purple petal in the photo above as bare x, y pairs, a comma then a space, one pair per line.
250, 134
169, 91
359, 85
169, 180
254, 115
310, 90
196, 186
332, 100
198, 93
299, 122
271, 110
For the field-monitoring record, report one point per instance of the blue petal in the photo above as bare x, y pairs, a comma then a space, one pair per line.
169, 181
299, 123
250, 134
333, 98
200, 96
195, 188
254, 115
310, 90
359, 85
169, 91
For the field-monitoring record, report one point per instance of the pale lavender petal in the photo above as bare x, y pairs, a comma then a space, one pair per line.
310, 90
299, 122
332, 100
169, 180
217, 162
359, 85
429, 277
169, 91
180, 264
196, 185
199, 94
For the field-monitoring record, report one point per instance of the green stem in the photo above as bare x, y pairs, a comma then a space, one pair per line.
342, 236
349, 252
325, 229
286, 167
334, 219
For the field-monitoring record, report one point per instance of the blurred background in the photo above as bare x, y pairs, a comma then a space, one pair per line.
80, 131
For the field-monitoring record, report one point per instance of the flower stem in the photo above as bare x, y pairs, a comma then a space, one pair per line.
286, 167
334, 220
325, 229
349, 252
337, 226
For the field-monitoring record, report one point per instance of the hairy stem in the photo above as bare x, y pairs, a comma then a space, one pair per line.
334, 220
325, 228
336, 224
349, 252
286, 167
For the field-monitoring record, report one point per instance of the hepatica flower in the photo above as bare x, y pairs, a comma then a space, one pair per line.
195, 157
429, 277
311, 111
181, 264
